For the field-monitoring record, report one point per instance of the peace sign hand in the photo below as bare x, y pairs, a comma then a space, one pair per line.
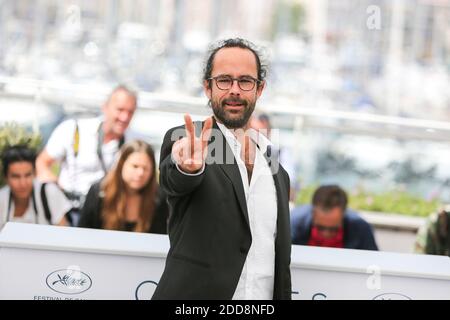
189, 153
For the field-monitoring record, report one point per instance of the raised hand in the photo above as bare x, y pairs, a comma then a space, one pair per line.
190, 152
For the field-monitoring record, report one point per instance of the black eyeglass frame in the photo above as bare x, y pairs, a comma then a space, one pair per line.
333, 229
254, 81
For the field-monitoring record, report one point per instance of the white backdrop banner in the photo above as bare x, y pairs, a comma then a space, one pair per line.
62, 263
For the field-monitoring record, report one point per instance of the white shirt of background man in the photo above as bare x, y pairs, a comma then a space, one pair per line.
77, 174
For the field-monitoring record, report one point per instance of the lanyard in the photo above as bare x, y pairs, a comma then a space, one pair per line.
33, 200
100, 137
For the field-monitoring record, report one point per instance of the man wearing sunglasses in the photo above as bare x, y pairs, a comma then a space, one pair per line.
328, 222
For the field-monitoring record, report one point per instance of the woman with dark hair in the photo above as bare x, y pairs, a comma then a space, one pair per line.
128, 198
25, 199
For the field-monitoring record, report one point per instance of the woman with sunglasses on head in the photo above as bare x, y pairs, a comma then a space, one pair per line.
128, 198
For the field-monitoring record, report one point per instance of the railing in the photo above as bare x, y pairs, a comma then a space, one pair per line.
90, 97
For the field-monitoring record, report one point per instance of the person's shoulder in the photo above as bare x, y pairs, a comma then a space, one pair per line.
175, 133
51, 188
4, 193
301, 217
432, 218
198, 125
436, 218
66, 124
303, 209
180, 127
284, 172
97, 189
354, 218
61, 138
353, 215
4, 200
301, 212
70, 125
96, 186
91, 123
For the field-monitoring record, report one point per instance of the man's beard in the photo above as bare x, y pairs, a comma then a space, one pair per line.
223, 116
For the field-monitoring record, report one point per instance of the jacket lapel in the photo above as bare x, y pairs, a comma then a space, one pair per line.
274, 166
271, 156
283, 238
233, 173
231, 170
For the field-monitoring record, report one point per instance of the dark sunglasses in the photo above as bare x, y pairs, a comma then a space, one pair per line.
333, 229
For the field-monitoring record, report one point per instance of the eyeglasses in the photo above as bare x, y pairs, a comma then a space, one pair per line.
226, 82
333, 229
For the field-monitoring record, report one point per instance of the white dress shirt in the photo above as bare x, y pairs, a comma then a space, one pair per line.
258, 274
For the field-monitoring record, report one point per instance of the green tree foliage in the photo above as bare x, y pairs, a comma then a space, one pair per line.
391, 201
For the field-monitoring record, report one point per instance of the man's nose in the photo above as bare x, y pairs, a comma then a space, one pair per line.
124, 116
22, 182
235, 88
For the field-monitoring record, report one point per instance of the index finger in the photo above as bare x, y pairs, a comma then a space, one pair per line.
189, 126
206, 131
190, 132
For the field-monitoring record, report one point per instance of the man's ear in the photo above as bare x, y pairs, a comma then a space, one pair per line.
207, 88
260, 88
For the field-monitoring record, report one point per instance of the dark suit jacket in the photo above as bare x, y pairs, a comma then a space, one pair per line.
358, 234
209, 229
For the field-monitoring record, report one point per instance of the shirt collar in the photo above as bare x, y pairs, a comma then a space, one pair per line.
257, 137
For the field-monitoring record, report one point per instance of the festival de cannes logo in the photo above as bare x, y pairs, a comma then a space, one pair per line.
145, 290
392, 296
69, 281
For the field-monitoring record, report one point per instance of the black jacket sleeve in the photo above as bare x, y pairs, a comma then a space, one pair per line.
172, 181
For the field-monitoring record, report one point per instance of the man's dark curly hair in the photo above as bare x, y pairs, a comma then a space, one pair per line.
17, 153
234, 43
330, 196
